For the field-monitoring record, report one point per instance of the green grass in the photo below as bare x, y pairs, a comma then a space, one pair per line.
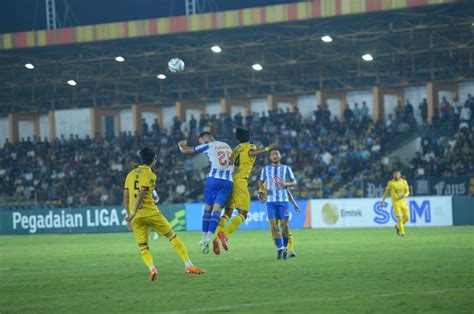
362, 270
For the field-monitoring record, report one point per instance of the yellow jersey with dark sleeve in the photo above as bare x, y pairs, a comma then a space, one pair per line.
397, 188
243, 162
141, 177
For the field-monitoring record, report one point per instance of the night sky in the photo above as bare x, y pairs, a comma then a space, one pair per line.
26, 15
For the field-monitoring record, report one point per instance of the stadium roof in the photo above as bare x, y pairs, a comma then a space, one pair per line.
412, 41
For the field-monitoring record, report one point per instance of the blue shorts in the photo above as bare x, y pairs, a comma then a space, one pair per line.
278, 210
217, 191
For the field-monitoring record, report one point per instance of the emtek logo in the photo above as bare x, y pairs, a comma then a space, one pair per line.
382, 215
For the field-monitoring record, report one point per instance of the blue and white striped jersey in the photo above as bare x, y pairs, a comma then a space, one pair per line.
220, 157
272, 175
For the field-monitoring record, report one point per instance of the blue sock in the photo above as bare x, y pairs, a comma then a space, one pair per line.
285, 241
215, 218
278, 243
206, 219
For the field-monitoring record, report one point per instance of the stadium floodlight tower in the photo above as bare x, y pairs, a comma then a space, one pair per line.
50, 14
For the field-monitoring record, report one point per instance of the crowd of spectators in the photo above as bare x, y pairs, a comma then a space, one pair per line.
325, 153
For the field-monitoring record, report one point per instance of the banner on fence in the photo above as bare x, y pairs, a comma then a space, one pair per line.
79, 220
363, 212
256, 219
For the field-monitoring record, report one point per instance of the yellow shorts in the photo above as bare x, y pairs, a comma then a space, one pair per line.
401, 209
141, 226
240, 197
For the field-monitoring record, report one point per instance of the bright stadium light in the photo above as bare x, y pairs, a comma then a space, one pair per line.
29, 66
326, 39
119, 59
216, 49
367, 57
257, 67
161, 76
72, 82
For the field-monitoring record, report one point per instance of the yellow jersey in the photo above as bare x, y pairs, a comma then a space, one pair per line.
243, 162
397, 188
142, 176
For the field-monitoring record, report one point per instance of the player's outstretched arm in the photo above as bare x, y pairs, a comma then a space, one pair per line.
126, 197
184, 148
287, 184
262, 192
138, 203
385, 194
257, 152
293, 201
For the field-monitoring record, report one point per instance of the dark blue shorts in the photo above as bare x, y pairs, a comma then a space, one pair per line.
217, 191
278, 210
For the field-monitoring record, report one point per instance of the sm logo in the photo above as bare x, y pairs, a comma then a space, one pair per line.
417, 212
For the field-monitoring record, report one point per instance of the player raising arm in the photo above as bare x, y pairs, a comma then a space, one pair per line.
142, 214
399, 190
219, 182
243, 156
278, 178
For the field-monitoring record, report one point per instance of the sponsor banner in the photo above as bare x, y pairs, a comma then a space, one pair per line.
422, 187
360, 212
256, 219
79, 220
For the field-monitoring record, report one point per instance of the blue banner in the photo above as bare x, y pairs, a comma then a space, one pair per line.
256, 219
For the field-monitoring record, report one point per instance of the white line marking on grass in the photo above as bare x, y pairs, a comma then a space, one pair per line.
316, 299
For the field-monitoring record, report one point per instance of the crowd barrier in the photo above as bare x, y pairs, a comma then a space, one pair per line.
321, 213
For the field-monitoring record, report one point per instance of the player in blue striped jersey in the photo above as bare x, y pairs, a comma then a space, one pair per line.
219, 182
278, 178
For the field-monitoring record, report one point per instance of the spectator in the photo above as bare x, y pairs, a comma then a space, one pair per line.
408, 109
357, 112
424, 110
364, 109
348, 114
445, 107
145, 127
192, 125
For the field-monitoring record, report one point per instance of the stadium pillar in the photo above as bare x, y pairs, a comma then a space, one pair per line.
36, 122
179, 110
52, 128
136, 119
377, 94
12, 128
271, 103
94, 122
432, 98
225, 108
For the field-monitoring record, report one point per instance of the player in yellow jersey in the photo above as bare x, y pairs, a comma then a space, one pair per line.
142, 214
291, 240
243, 156
399, 190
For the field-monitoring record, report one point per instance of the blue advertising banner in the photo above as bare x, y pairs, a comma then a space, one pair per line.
256, 219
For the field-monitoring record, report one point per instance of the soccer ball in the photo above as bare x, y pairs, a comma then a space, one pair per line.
176, 65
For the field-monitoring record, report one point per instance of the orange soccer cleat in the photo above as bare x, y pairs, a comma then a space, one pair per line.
194, 270
223, 239
215, 247
153, 274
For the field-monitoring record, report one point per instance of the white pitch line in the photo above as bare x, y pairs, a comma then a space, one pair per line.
316, 299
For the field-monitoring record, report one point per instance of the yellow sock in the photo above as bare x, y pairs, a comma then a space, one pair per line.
400, 225
234, 224
179, 247
146, 256
221, 225
290, 242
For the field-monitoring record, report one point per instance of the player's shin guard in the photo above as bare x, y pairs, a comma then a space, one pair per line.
179, 247
215, 219
146, 255
290, 242
234, 224
222, 224
206, 219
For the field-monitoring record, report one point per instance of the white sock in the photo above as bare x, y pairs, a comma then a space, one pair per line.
152, 267
188, 263
209, 235
204, 235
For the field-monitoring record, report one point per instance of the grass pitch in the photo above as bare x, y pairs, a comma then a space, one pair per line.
362, 270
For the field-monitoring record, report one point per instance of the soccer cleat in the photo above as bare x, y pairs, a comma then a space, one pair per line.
398, 231
292, 253
204, 244
223, 239
215, 247
285, 254
279, 253
153, 274
194, 270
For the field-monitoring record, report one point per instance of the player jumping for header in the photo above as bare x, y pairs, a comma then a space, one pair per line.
244, 156
278, 178
219, 182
